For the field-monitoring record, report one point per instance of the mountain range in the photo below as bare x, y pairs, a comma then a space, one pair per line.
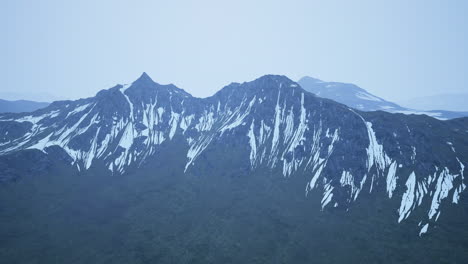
358, 98
262, 171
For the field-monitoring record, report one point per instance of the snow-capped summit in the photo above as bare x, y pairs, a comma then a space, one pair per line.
358, 98
346, 93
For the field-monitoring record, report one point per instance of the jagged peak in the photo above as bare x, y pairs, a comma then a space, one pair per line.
144, 78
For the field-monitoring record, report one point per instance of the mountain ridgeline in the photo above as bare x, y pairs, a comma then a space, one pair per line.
335, 155
342, 151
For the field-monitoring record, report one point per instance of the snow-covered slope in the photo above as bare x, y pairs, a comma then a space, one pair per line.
358, 98
341, 153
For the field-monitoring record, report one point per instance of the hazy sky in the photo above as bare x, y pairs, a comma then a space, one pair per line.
71, 49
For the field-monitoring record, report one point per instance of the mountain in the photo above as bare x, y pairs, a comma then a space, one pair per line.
451, 102
20, 106
346, 93
262, 171
41, 96
358, 98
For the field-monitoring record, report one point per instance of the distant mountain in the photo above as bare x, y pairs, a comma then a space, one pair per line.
262, 171
30, 96
358, 98
346, 93
451, 102
20, 106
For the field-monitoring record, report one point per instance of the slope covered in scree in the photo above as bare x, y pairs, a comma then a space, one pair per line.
342, 153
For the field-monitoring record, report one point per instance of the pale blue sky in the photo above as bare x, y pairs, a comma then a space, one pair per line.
72, 49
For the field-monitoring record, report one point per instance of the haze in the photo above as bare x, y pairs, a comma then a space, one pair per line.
72, 49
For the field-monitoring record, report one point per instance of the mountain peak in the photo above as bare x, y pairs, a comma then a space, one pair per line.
144, 78
273, 77
265, 83
310, 80
271, 80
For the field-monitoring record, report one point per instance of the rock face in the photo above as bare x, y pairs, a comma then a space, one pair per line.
270, 125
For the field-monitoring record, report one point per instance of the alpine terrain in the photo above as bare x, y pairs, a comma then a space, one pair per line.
260, 172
